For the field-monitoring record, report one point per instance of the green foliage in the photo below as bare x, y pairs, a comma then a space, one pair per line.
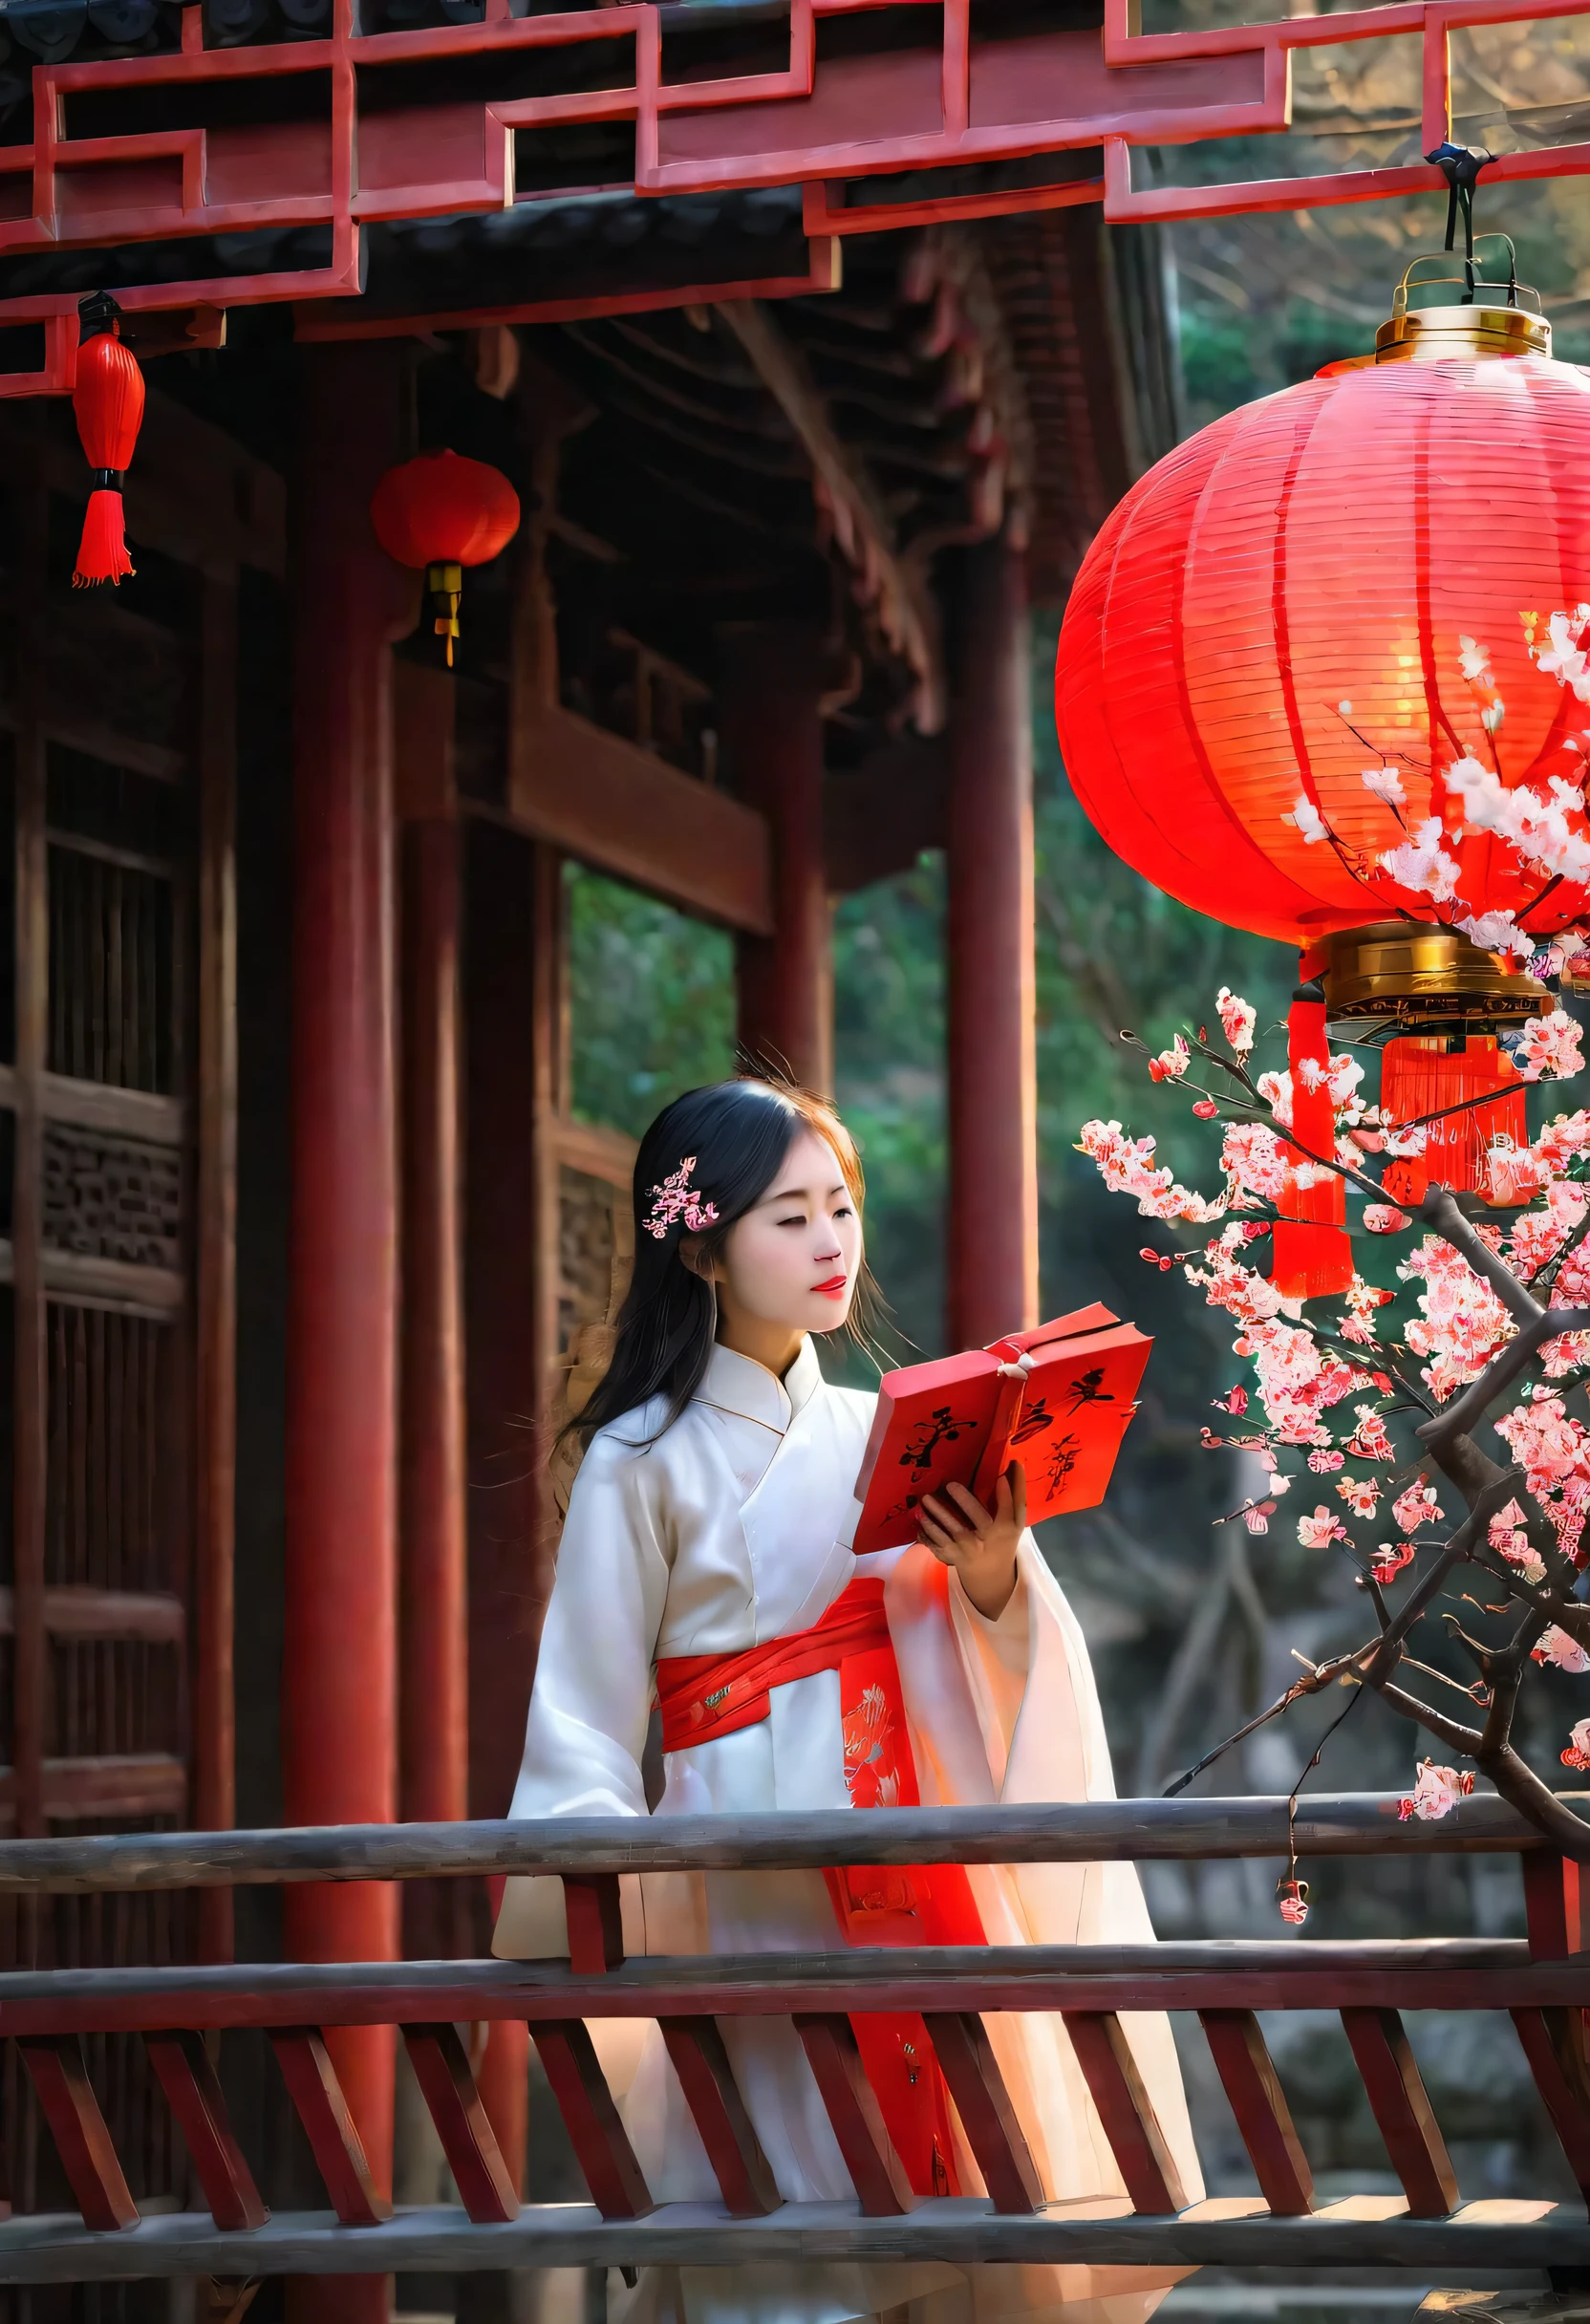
652, 999
889, 1050
1217, 356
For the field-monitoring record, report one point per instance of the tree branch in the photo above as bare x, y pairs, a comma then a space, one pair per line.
1522, 1788
1451, 1732
1312, 1682
1502, 1369
1385, 1658
1439, 1210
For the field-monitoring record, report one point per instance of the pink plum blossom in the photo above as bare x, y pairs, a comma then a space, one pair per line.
1251, 1156
1321, 1530
1306, 818
1554, 1646
1550, 1445
1564, 658
1292, 1898
1127, 1167
1363, 1298
1435, 1793
1405, 1142
1573, 1276
1227, 1283
1360, 1493
1497, 932
1342, 1075
1276, 1089
1238, 1018
1419, 1505
1539, 1235
1298, 1380
1385, 1218
1370, 1440
1565, 1138
1324, 1459
1421, 862
1546, 829
1473, 662
1461, 1322
1389, 1558
1577, 1752
1550, 1048
1512, 1173
1384, 782
1171, 1063
1507, 1536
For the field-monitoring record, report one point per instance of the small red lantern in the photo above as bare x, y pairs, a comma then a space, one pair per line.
107, 404
444, 512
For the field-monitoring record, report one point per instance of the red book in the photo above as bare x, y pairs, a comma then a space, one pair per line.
1056, 1399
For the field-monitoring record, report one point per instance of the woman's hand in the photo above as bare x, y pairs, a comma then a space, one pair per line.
979, 1543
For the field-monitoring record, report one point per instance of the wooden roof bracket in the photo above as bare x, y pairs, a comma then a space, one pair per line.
896, 582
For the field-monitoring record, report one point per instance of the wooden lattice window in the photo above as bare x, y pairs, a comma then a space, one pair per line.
118, 734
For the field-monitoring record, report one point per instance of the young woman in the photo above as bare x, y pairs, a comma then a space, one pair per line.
705, 1565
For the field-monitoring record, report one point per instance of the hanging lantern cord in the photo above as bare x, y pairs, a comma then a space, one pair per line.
1460, 165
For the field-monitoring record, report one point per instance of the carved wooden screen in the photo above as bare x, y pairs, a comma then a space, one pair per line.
117, 1108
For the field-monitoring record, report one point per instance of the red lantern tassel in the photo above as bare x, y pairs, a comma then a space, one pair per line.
107, 404
103, 552
1420, 1075
1313, 1257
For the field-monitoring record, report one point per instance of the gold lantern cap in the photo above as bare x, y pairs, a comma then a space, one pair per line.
1426, 326
1413, 974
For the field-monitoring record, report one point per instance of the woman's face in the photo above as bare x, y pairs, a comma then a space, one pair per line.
794, 1257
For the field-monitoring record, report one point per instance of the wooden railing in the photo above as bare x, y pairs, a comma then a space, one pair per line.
1541, 1981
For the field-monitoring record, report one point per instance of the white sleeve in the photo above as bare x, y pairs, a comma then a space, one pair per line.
591, 1698
996, 1654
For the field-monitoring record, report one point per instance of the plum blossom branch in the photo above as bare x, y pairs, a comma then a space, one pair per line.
1489, 1319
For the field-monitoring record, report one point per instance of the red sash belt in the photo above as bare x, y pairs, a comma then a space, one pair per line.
705, 1695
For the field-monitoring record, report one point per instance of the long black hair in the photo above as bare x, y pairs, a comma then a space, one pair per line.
730, 1141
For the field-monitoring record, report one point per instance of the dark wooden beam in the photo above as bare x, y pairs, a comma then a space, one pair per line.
1097, 1831
595, 796
878, 817
439, 2241
1210, 1976
907, 612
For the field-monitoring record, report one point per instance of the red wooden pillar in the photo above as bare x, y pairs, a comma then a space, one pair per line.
434, 1645
993, 1068
774, 731
214, 1708
339, 1744
433, 1651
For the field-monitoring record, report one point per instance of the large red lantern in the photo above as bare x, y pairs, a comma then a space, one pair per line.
1299, 640
441, 512
107, 404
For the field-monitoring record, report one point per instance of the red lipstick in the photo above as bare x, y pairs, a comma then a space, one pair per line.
833, 1287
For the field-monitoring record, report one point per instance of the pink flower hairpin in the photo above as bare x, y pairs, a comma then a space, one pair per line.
675, 1200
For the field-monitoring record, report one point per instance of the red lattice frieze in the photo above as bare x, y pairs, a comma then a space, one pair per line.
353, 134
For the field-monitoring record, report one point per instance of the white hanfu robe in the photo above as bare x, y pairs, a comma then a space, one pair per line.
731, 1529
